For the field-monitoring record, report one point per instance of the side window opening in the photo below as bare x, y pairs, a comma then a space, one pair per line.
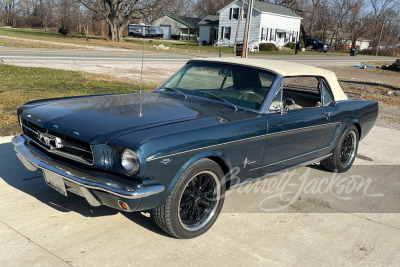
301, 92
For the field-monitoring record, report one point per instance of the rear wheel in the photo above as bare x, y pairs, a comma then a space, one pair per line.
344, 153
195, 202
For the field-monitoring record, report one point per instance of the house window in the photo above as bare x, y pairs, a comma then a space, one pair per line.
281, 35
234, 13
263, 34
272, 35
226, 33
294, 37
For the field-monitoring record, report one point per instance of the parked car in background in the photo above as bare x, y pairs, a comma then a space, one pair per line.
145, 31
315, 44
172, 150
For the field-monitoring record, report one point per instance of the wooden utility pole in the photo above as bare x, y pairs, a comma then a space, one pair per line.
238, 27
247, 30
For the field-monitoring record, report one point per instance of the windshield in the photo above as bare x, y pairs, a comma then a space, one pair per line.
241, 86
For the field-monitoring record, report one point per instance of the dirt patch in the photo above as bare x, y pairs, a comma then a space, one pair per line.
374, 84
57, 44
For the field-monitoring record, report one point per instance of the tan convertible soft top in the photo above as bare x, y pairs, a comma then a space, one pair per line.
286, 69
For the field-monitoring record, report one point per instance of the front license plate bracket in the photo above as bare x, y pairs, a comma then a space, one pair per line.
55, 181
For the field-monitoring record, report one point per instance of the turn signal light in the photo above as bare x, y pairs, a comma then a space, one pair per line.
123, 205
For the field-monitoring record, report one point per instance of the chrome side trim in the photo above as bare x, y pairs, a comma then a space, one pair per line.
285, 169
240, 140
78, 178
277, 162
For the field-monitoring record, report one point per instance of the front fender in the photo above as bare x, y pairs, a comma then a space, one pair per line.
159, 199
201, 155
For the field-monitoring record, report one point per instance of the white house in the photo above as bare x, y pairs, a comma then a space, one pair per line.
270, 23
208, 28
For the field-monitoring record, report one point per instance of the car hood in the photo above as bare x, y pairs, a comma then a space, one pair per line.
97, 119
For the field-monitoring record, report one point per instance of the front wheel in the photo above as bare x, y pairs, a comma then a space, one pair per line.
195, 202
344, 153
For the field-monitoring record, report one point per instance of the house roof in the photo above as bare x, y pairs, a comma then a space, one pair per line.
191, 23
262, 6
273, 8
209, 20
285, 69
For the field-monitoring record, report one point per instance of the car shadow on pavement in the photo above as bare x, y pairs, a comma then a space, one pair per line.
16, 175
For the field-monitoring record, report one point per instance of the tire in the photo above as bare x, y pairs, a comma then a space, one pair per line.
320, 49
195, 201
344, 153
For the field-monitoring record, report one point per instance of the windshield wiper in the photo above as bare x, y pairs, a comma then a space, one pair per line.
220, 98
174, 90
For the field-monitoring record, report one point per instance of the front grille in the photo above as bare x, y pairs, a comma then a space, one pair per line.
55, 143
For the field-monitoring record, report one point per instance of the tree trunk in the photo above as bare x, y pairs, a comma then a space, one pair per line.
116, 28
116, 32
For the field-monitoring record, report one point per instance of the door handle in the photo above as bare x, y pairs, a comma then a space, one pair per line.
327, 114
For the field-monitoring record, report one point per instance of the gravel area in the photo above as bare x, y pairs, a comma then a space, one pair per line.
375, 84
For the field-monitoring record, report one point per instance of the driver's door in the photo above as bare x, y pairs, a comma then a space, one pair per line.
298, 134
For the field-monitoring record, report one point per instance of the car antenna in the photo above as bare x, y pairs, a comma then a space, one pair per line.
141, 70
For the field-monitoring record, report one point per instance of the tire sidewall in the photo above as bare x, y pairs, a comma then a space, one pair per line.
339, 149
197, 167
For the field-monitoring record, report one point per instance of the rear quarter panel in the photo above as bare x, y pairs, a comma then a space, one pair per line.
359, 112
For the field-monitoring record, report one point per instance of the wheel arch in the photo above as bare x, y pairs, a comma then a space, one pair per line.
216, 156
356, 123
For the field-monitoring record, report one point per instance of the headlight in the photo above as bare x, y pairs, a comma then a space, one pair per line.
130, 161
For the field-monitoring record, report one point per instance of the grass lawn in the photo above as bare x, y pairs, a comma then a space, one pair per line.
132, 44
19, 85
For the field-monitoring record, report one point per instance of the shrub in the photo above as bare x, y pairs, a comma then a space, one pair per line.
390, 51
63, 31
291, 45
268, 47
302, 43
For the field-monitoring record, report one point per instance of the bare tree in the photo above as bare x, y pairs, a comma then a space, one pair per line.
9, 11
381, 12
209, 7
343, 8
315, 9
357, 23
118, 13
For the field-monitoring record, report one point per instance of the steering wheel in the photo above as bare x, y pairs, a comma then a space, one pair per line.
245, 96
288, 102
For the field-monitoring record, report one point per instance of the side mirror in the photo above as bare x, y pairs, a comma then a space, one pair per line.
275, 106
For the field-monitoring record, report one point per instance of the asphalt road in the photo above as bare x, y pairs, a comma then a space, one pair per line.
128, 55
319, 225
158, 66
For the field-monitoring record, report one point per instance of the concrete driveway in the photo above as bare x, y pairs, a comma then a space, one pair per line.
39, 227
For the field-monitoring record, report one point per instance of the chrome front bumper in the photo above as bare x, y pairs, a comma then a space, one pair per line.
32, 161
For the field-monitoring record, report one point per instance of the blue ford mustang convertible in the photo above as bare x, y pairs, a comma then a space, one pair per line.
172, 151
